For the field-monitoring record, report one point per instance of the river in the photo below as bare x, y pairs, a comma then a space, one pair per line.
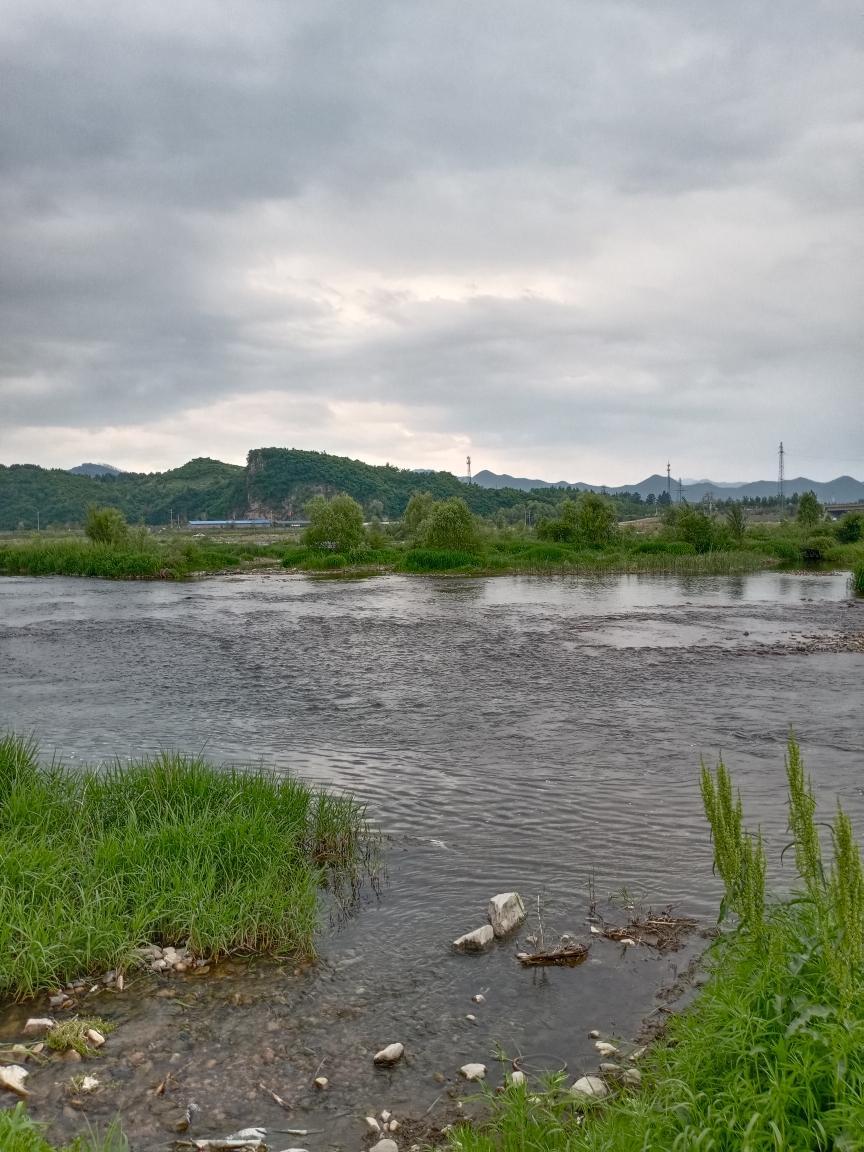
510, 732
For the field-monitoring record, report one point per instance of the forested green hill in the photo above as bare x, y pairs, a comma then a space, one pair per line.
276, 483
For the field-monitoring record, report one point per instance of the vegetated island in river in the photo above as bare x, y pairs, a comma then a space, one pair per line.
573, 535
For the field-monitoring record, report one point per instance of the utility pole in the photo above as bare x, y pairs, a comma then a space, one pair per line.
781, 477
669, 479
469, 469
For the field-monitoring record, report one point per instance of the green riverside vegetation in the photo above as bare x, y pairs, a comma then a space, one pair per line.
164, 849
18, 1133
770, 1056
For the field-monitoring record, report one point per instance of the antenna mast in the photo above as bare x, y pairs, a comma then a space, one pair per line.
669, 479
781, 476
680, 499
468, 458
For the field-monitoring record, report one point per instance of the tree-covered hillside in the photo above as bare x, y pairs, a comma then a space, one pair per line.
201, 488
277, 483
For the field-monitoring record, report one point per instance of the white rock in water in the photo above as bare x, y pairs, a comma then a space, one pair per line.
590, 1086
605, 1049
385, 1116
250, 1134
506, 912
395, 1125
632, 1076
389, 1055
12, 1076
475, 941
517, 1078
372, 1124
627, 941
95, 1038
38, 1024
479, 998
613, 1068
473, 1071
595, 931
120, 982
385, 1146
321, 1082
594, 1034
89, 1083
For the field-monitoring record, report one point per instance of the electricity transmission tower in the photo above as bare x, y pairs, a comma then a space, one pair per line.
669, 479
468, 458
781, 476
680, 499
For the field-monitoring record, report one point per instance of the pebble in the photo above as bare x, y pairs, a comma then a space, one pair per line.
372, 1123
479, 998
89, 1083
438, 1077
389, 1055
605, 1049
385, 1116
268, 1056
38, 1024
595, 931
321, 1082
120, 982
57, 1001
72, 1056
95, 1037
639, 1052
136, 1058
475, 941
631, 1076
12, 1076
395, 1125
473, 1071
385, 1146
589, 1086
471, 1018
517, 1078
594, 1034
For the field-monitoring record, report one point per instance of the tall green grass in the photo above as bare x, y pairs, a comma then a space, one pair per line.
858, 577
771, 1054
18, 1133
164, 849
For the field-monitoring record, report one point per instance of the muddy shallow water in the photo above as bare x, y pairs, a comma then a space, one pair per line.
512, 732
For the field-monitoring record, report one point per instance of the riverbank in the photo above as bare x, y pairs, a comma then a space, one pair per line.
179, 556
165, 850
769, 1055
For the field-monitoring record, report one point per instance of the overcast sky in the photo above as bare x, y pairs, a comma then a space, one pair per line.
572, 239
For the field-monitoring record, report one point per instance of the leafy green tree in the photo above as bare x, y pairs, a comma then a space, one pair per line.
809, 510
850, 528
694, 526
451, 526
335, 524
596, 519
105, 525
417, 512
736, 521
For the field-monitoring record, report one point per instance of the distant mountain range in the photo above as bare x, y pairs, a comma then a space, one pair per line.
840, 491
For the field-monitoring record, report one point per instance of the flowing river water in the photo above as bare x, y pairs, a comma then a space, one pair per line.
506, 733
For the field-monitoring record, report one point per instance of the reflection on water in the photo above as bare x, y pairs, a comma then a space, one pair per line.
514, 732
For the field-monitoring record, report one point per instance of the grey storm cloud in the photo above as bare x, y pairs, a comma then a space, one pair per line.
552, 231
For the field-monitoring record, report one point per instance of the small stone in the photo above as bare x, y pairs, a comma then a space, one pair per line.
372, 1123
72, 1056
479, 998
639, 1052
506, 912
589, 1086
170, 954
627, 942
473, 1071
12, 1076
438, 1077
57, 1001
385, 1116
522, 956
385, 1146
517, 1078
182, 966
95, 1037
611, 1068
203, 970
594, 1034
37, 1048
159, 965
395, 1125
631, 1076
475, 941
267, 1055
37, 1025
471, 1018
136, 1058
109, 977
89, 1083
605, 1049
389, 1055
120, 982
595, 931
321, 1082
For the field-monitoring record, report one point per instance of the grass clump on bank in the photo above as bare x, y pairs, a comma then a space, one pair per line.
164, 849
771, 1054
18, 1133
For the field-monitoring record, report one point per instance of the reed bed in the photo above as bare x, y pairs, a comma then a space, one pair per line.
165, 849
771, 1054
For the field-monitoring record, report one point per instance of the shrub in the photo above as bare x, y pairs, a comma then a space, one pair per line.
850, 528
858, 578
450, 526
105, 525
437, 560
736, 521
417, 512
693, 526
589, 519
335, 524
